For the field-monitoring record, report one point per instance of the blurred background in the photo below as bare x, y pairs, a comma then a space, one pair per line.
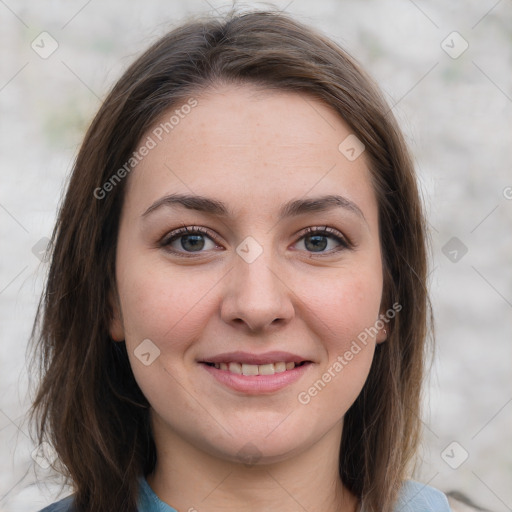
445, 68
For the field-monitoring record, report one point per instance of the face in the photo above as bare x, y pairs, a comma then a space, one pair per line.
241, 313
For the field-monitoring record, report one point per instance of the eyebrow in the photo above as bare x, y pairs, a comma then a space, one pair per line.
289, 209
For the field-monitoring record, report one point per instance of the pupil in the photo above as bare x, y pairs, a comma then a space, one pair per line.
196, 242
318, 242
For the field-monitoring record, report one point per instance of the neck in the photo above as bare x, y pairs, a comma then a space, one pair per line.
190, 479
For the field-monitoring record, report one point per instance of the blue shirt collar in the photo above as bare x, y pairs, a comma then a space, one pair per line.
149, 501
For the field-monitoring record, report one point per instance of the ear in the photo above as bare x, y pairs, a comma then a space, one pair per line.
383, 327
382, 335
116, 327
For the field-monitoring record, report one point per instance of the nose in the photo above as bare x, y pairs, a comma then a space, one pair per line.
256, 296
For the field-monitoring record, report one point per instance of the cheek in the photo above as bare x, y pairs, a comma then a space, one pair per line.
347, 307
164, 307
345, 316
170, 311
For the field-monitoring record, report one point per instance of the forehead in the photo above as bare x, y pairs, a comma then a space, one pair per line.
243, 145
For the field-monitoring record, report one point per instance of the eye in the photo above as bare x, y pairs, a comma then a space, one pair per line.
191, 239
316, 240
194, 239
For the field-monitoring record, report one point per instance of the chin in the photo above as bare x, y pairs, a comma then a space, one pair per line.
260, 449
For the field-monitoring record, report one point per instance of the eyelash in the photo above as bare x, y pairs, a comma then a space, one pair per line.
194, 230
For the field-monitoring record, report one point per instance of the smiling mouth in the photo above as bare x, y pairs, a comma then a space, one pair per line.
256, 369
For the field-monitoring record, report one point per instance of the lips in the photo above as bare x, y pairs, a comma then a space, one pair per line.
270, 369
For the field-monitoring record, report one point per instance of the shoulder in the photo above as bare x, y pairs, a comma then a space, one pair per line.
64, 505
147, 501
418, 497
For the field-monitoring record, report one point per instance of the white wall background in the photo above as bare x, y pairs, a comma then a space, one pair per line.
457, 115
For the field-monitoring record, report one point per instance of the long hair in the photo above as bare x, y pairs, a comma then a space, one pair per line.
88, 405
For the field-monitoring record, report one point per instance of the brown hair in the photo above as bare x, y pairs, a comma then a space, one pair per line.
88, 405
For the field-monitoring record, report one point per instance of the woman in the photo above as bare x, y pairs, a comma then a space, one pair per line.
235, 315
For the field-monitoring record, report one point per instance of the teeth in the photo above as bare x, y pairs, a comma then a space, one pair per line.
250, 369
255, 369
279, 367
266, 369
235, 368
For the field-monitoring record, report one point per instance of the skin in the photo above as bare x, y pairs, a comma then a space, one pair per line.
254, 150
